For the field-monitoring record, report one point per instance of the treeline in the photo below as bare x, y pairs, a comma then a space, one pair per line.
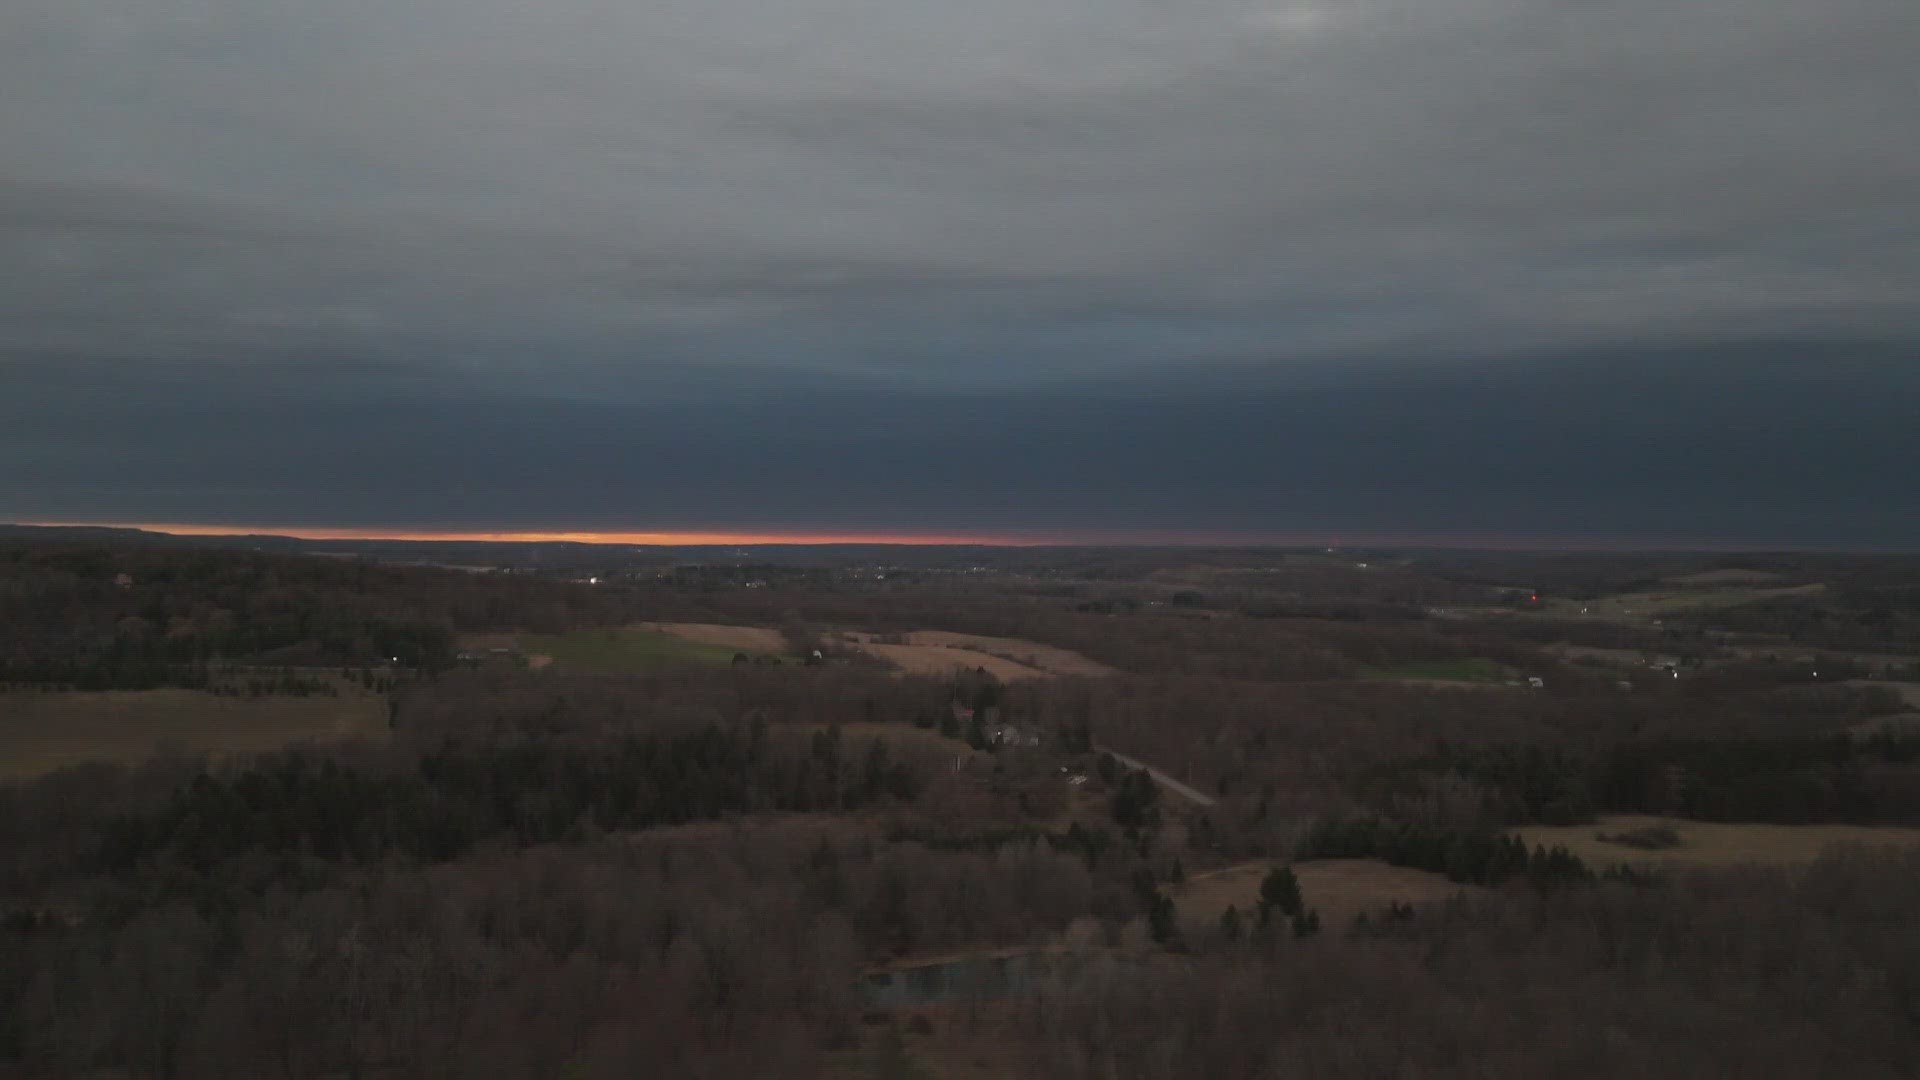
1784, 779
501, 891
147, 605
731, 951
270, 821
1276, 754
97, 675
1884, 619
1471, 856
58, 675
1772, 975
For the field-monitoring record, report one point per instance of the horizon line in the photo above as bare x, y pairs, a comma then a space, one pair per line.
1063, 538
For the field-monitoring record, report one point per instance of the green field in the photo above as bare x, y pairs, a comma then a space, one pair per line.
1680, 601
41, 732
626, 651
1471, 669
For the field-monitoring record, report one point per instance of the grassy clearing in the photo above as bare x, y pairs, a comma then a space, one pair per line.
1707, 578
1471, 669
942, 652
1705, 843
942, 659
752, 639
1908, 693
1046, 658
1204, 896
1339, 889
1629, 659
1633, 607
41, 732
632, 650
1904, 725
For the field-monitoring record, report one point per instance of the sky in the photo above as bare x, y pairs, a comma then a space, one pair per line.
1006, 269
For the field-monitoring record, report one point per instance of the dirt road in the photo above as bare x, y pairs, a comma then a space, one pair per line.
1190, 793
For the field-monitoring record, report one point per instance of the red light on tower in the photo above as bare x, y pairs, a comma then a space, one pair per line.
1535, 598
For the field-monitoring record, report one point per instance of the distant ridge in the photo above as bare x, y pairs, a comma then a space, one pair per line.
553, 555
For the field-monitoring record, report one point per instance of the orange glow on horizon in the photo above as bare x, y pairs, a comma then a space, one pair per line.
1111, 537
632, 539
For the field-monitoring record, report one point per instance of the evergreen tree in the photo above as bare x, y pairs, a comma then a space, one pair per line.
977, 733
1281, 891
1230, 923
1160, 919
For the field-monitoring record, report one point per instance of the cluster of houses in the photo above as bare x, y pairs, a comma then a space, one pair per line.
1000, 733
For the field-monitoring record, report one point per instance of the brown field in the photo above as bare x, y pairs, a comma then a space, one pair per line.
1725, 577
1908, 692
941, 652
749, 638
1906, 724
489, 640
1636, 606
41, 732
801, 828
1886, 663
943, 660
1047, 658
1584, 654
1704, 843
1339, 889
921, 652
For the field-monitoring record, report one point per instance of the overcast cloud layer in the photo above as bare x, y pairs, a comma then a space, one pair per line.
1407, 266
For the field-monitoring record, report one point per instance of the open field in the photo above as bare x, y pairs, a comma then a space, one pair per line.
1908, 692
942, 660
1047, 658
1339, 889
1706, 843
1647, 605
630, 650
753, 639
1472, 669
1597, 657
1724, 577
800, 828
41, 732
941, 652
499, 639
920, 652
1906, 725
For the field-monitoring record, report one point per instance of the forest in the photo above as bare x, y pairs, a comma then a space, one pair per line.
699, 871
